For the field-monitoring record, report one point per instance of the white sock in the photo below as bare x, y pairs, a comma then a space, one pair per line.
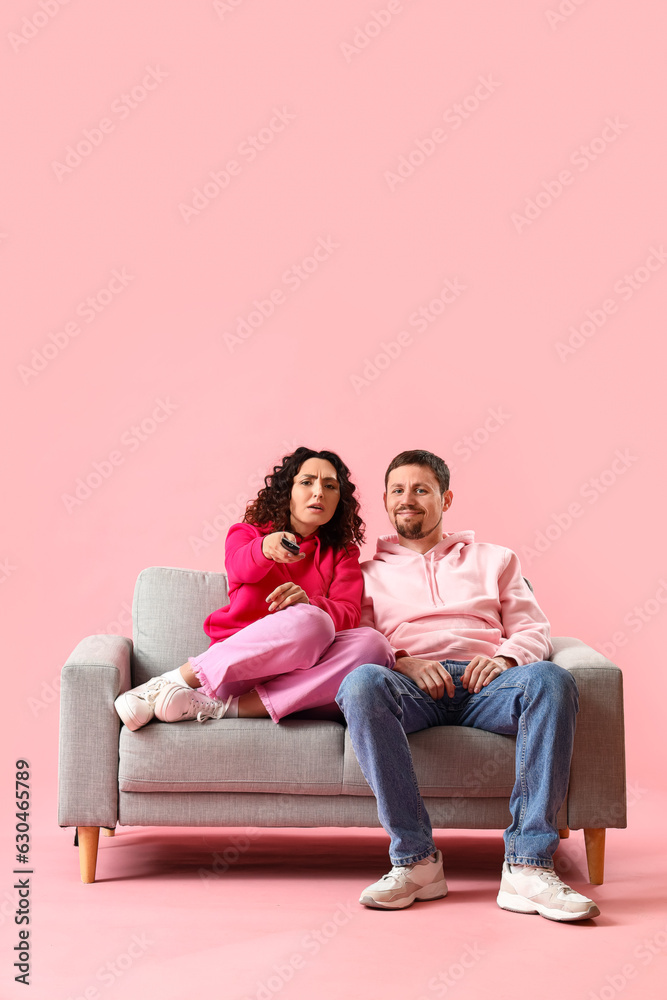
233, 710
177, 677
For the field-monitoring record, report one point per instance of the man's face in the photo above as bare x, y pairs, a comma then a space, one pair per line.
414, 502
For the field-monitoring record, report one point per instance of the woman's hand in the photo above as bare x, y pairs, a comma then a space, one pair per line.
272, 548
286, 595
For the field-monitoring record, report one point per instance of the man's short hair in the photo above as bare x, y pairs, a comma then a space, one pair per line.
437, 466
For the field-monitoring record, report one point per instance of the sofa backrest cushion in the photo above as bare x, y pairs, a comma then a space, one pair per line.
168, 613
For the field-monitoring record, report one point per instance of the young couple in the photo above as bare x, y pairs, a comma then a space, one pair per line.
450, 635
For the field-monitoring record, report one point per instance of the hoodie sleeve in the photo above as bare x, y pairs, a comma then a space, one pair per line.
244, 560
526, 627
343, 601
367, 612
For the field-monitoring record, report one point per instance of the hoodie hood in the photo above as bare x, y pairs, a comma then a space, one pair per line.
389, 548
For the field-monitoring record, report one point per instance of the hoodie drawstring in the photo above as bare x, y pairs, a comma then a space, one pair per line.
431, 580
435, 580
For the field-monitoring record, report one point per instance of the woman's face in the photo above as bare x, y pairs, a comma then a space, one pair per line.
315, 495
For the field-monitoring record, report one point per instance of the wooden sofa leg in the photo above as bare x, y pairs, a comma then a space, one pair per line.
89, 837
564, 833
594, 839
108, 831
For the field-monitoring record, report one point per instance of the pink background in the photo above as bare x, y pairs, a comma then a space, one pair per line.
530, 431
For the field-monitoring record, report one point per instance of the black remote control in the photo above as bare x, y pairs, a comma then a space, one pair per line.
290, 546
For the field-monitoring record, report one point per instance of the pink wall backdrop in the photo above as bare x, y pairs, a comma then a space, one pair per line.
230, 228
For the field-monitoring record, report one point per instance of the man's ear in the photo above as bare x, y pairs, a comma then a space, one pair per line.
447, 499
384, 499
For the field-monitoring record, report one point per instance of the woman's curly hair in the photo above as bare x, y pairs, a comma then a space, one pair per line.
273, 501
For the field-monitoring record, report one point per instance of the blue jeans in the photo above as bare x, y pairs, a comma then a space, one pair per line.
537, 703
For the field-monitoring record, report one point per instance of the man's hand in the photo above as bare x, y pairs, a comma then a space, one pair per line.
429, 675
272, 548
482, 670
286, 595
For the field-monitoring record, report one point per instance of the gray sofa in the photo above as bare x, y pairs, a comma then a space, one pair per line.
302, 772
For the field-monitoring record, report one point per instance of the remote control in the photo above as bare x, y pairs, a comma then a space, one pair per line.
290, 546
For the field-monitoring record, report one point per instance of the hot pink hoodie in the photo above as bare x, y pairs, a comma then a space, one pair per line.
460, 599
331, 579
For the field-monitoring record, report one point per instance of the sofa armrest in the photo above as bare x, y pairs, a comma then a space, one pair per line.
596, 796
96, 672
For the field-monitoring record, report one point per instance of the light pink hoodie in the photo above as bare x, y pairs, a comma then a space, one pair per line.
460, 599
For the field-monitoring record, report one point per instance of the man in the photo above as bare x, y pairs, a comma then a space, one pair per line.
471, 647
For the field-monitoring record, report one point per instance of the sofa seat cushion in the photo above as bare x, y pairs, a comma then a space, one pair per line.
449, 761
233, 755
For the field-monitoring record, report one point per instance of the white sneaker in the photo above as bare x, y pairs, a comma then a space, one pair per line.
136, 707
176, 703
406, 883
531, 889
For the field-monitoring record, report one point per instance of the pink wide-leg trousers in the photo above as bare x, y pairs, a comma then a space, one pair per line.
293, 658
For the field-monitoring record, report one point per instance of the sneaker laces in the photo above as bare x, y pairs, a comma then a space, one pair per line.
398, 870
213, 709
549, 876
151, 693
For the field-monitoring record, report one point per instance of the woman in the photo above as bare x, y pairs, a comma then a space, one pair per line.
289, 633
